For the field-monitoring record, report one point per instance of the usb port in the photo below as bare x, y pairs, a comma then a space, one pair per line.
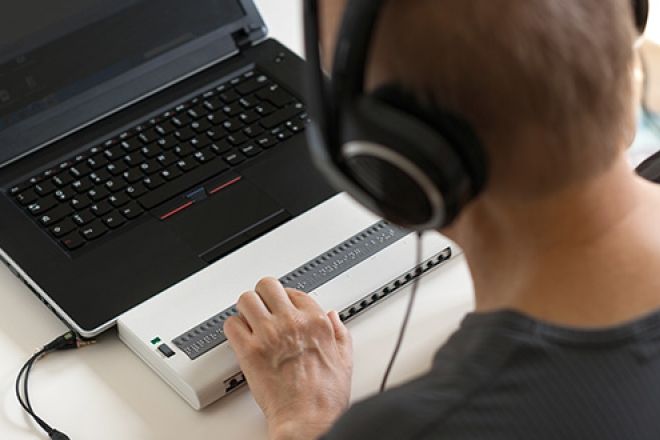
234, 382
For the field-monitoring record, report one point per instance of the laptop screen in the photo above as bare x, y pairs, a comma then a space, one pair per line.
58, 55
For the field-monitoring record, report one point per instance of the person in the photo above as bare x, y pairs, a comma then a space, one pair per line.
563, 243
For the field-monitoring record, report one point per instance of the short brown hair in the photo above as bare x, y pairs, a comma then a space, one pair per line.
546, 83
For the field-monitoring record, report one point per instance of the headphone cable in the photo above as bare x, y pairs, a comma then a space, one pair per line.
406, 318
67, 341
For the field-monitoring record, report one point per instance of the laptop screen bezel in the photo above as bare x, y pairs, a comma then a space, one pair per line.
54, 124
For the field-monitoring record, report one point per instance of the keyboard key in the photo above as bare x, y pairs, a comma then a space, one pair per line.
114, 220
119, 199
150, 151
275, 95
204, 155
97, 161
280, 117
252, 85
80, 169
188, 180
19, 188
131, 211
237, 139
153, 182
136, 190
265, 109
199, 142
94, 230
181, 120
233, 125
133, 175
100, 176
63, 228
221, 147
171, 173
253, 130
249, 101
133, 160
62, 179
73, 241
117, 168
82, 186
201, 126
43, 205
187, 164
184, 134
54, 215
229, 96
167, 142
234, 158
184, 150
97, 194
64, 194
267, 141
251, 150
114, 153
131, 145
83, 217
249, 117
216, 133
26, 197
115, 184
167, 158
150, 167
101, 208
232, 110
80, 201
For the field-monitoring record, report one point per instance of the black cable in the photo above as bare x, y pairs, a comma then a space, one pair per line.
406, 318
67, 341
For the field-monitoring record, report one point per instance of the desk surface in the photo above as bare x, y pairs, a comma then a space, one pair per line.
105, 392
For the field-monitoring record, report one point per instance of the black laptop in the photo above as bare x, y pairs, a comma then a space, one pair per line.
140, 141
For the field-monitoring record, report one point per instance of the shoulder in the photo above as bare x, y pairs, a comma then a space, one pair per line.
402, 413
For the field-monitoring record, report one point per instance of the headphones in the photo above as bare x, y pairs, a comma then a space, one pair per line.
414, 164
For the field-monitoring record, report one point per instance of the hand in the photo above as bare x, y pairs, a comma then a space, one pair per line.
297, 360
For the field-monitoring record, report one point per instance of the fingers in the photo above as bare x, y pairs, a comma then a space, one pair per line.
252, 308
343, 338
237, 331
303, 301
274, 296
341, 332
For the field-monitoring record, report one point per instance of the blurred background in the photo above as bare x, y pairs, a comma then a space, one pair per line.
284, 17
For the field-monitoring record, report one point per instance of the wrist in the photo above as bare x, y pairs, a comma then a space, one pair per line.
303, 425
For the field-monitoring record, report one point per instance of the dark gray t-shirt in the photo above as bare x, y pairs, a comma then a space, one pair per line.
506, 376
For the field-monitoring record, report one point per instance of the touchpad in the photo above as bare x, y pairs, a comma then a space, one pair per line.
225, 221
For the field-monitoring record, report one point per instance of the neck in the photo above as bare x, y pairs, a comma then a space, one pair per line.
584, 256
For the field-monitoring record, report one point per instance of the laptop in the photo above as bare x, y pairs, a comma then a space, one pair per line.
154, 165
140, 142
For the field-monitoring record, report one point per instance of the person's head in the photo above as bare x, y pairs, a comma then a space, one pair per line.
546, 84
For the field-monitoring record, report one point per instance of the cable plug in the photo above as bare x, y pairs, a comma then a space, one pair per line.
57, 435
67, 341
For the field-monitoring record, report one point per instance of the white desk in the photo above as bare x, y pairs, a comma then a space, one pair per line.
105, 392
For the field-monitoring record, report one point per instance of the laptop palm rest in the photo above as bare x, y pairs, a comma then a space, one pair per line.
225, 221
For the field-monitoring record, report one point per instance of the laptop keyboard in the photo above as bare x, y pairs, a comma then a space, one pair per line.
99, 191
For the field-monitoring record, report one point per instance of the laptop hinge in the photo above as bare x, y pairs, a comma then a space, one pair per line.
247, 36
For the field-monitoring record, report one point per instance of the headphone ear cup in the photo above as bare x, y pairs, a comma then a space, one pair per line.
455, 132
406, 166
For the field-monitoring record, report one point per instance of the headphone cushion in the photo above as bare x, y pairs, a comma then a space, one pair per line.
457, 133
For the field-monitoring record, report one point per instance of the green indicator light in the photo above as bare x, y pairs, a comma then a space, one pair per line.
155, 340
